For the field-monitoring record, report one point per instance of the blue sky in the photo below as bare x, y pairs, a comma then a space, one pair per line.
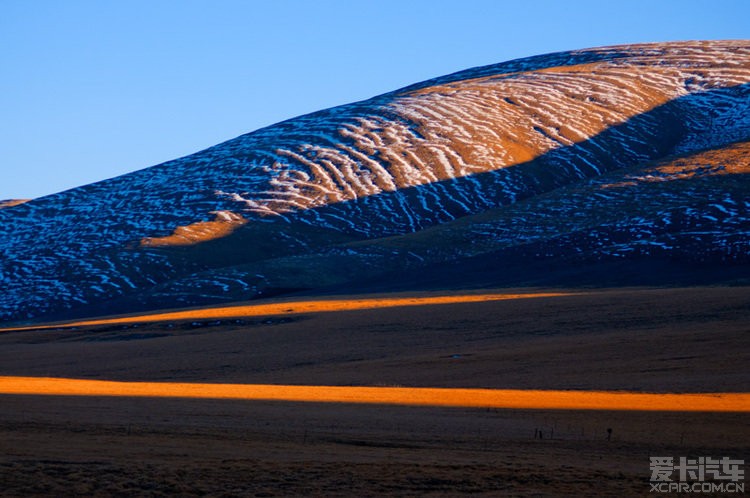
94, 89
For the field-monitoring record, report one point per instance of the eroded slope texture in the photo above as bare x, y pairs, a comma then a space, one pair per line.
535, 146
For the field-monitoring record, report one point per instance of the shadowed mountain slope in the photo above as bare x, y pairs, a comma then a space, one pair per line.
548, 157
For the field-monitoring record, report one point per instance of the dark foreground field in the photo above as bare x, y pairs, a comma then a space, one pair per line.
663, 340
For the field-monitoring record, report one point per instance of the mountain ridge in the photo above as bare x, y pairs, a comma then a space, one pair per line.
396, 164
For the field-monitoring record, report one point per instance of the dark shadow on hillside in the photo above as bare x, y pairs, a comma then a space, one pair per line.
503, 269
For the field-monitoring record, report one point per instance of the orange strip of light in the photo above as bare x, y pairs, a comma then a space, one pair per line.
293, 307
426, 396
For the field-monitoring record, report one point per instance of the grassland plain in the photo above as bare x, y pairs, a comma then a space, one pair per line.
647, 340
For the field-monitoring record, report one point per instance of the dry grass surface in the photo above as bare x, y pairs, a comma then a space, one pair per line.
225, 223
12, 202
158, 447
660, 340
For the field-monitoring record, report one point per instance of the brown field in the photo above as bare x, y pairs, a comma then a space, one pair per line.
692, 340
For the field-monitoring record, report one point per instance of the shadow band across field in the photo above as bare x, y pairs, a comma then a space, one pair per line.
414, 396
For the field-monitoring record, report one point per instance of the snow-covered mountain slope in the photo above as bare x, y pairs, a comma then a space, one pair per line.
692, 210
217, 224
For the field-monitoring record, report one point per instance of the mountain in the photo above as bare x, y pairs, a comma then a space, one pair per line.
12, 202
633, 155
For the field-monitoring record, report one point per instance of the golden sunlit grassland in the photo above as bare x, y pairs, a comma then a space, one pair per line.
415, 396
642, 340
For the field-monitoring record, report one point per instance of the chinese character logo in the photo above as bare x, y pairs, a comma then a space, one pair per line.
697, 475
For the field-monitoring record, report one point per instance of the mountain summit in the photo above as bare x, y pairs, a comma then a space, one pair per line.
628, 155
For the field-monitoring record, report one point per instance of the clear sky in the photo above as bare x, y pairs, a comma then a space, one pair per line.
94, 89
